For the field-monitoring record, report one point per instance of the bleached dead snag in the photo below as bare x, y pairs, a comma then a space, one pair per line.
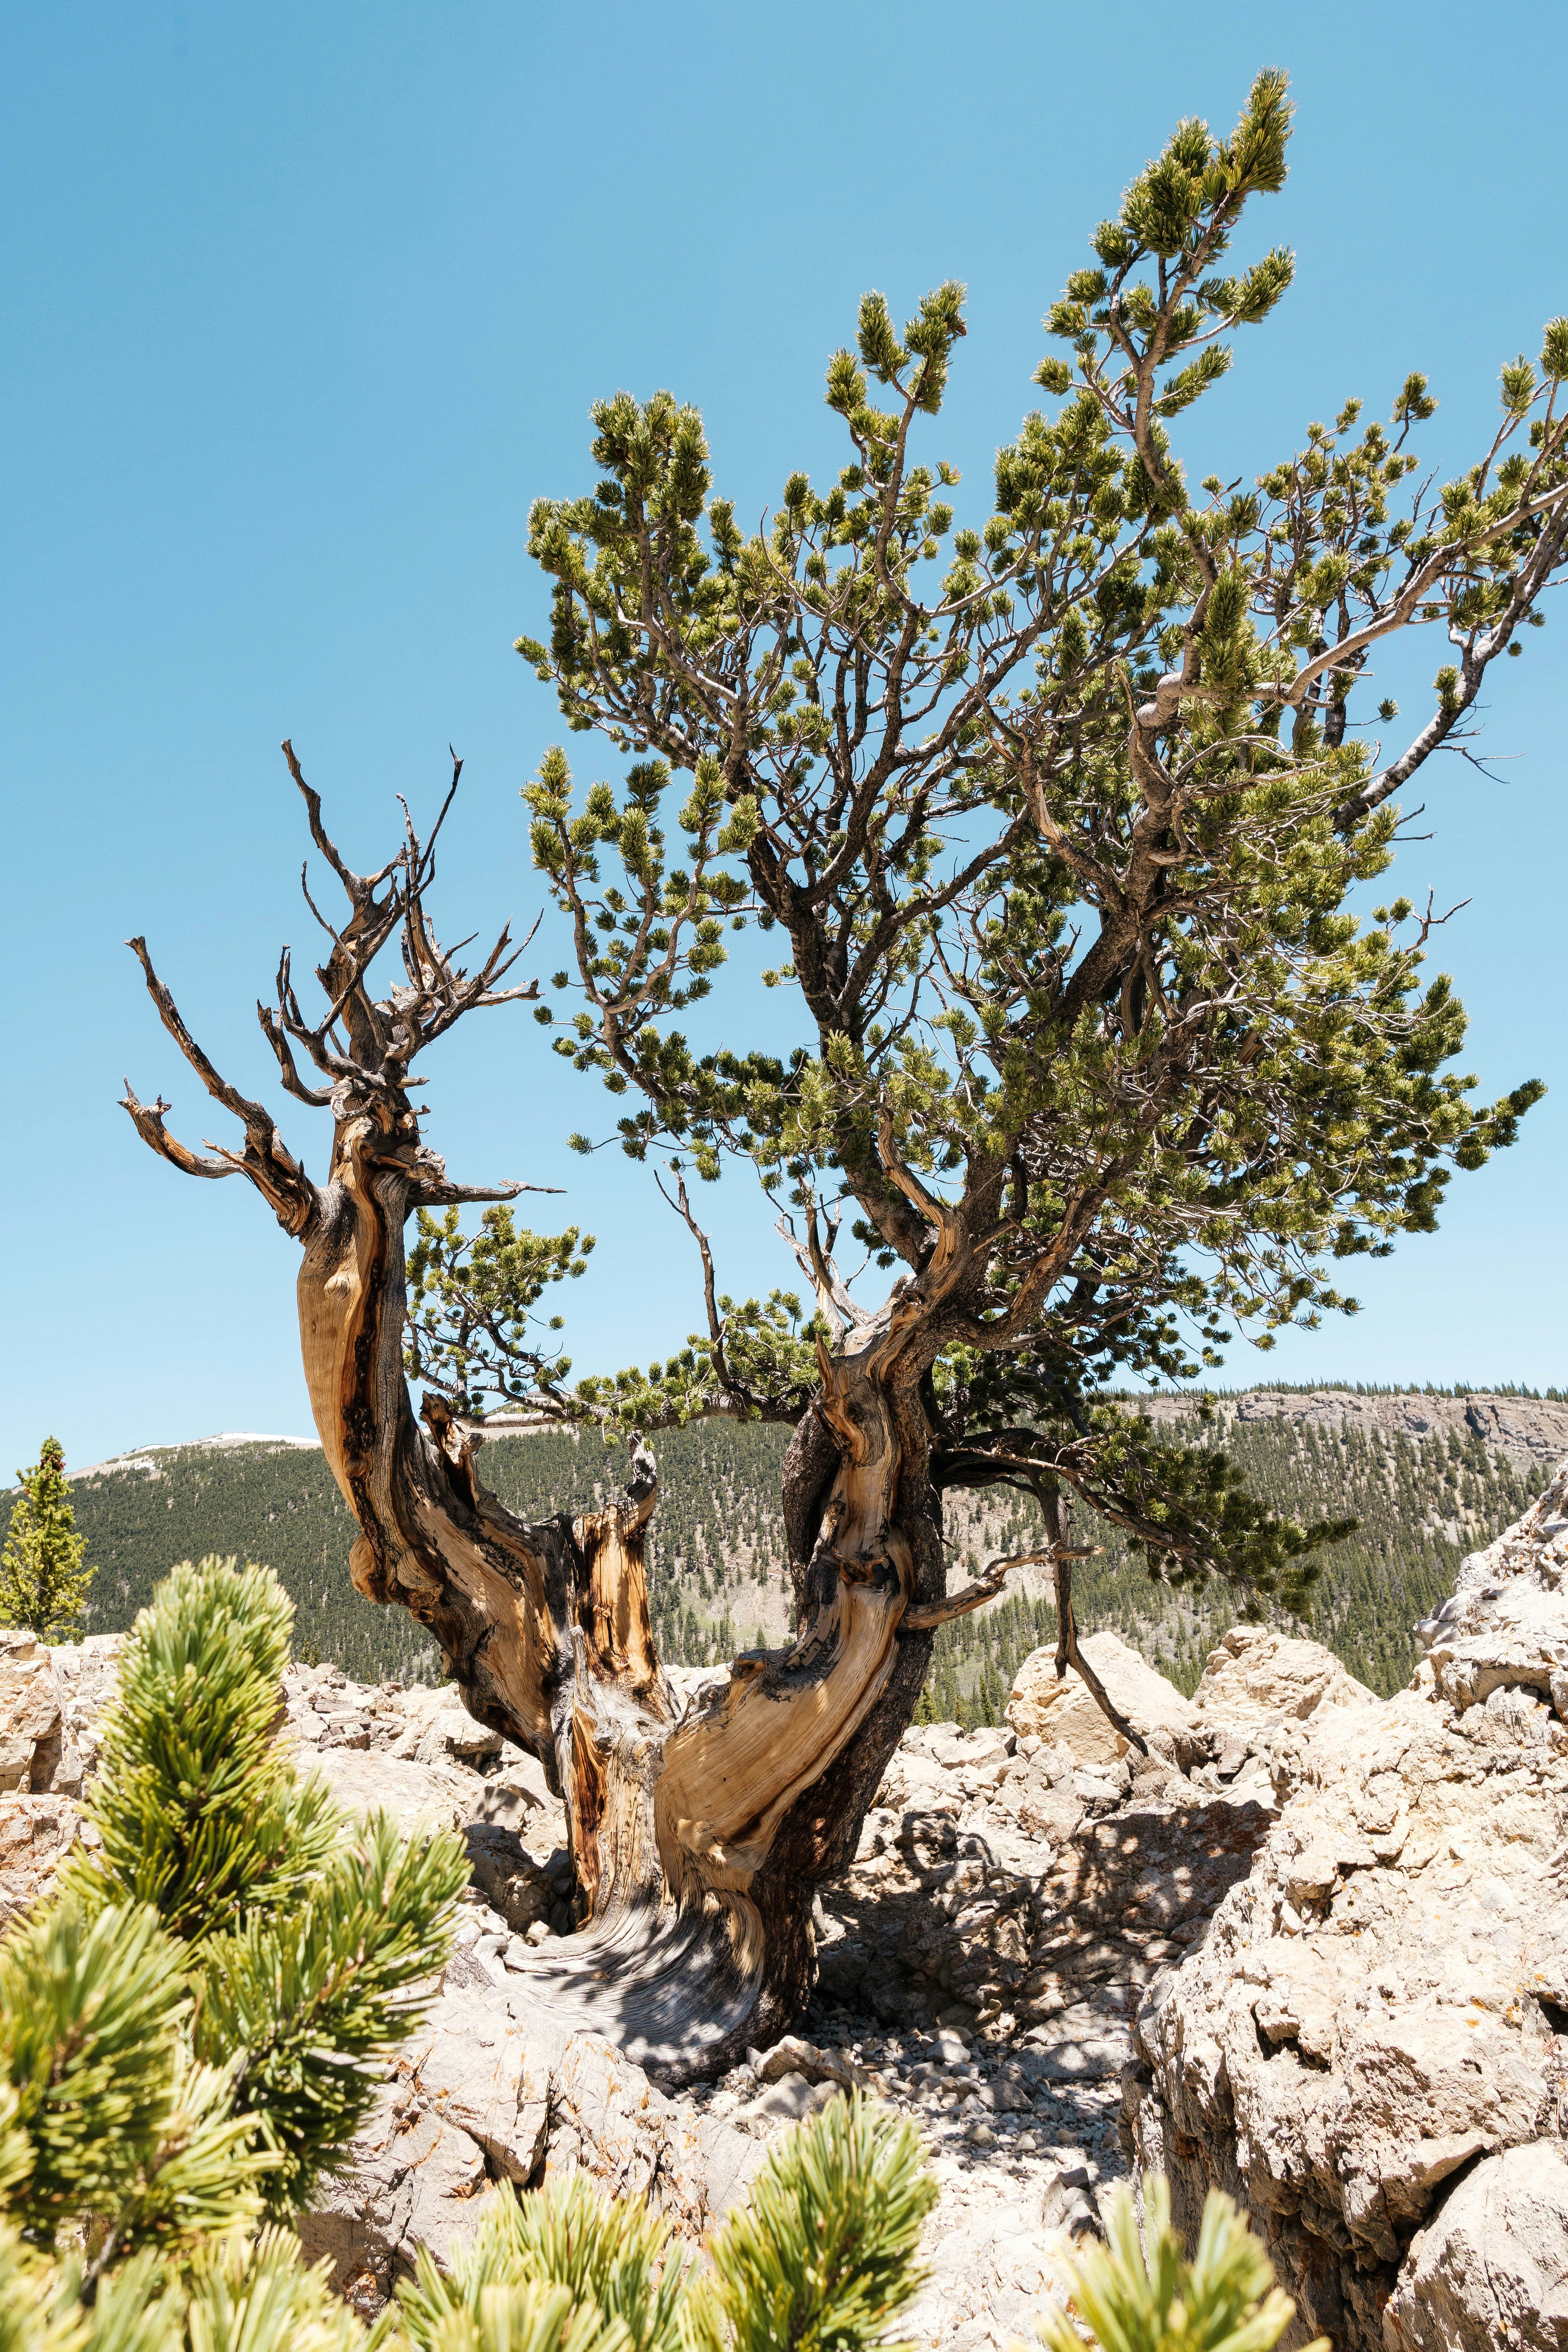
697, 1840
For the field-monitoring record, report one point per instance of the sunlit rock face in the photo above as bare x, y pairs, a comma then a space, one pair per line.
1376, 2015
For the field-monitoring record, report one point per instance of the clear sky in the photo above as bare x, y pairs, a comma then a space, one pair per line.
304, 304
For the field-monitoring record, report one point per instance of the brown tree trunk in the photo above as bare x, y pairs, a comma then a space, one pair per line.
698, 1834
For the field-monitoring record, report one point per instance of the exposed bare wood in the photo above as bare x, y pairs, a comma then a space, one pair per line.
696, 1835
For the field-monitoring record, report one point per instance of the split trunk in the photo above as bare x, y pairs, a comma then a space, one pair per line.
699, 1833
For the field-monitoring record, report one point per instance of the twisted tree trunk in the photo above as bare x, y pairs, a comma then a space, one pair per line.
698, 1834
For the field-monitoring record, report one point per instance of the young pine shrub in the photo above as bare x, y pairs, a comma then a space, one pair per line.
185, 2030
43, 1583
1139, 2293
610, 2255
824, 2255
303, 1933
823, 2259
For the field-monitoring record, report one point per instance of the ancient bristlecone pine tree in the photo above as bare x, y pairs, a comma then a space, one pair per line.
1058, 817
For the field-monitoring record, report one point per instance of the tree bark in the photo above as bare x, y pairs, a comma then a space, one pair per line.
697, 1834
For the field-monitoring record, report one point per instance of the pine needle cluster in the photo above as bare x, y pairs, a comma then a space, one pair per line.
823, 2258
1139, 2293
188, 2028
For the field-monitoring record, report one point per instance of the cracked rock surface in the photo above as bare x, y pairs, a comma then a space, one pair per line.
1369, 2048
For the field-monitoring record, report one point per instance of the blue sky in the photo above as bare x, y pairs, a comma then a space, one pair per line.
305, 304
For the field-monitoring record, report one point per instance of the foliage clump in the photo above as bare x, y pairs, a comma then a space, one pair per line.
1063, 816
822, 2256
1139, 2293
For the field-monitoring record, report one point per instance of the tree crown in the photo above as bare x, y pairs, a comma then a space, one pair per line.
1062, 814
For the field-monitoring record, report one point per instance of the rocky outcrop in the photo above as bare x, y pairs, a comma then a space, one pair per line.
483, 2092
1344, 2010
1532, 1430
1375, 2018
50, 1703
1259, 1678
1492, 2269
29, 1712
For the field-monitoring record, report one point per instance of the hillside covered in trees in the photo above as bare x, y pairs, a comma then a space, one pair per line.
1428, 1477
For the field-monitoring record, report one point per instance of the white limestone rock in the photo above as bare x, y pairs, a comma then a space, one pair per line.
36, 1835
1492, 2270
1506, 1625
438, 1730
88, 1673
1260, 1677
1064, 1714
1376, 2005
420, 1796
29, 1712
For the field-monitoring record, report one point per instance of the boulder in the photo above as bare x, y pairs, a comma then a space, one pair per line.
87, 1673
29, 1712
36, 1835
1492, 2268
606, 2119
1258, 1679
408, 2180
792, 2055
788, 2097
508, 1875
518, 1797
427, 1795
1066, 1713
438, 1730
487, 2090
1376, 2006
1506, 1623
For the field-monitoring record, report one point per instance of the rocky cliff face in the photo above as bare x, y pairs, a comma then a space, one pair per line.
1530, 1429
1370, 2048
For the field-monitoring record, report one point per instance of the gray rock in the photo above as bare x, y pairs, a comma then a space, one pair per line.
1371, 2009
409, 2179
788, 2098
794, 2056
471, 2063
1492, 2269
511, 1881
30, 1716
421, 1796
36, 1835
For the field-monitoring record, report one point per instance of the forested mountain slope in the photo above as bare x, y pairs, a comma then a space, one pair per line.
1429, 1477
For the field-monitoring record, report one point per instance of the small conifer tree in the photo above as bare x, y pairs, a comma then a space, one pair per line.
1141, 2293
185, 2030
43, 1584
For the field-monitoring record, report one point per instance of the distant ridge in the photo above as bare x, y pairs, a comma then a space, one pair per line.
140, 1456
1430, 1475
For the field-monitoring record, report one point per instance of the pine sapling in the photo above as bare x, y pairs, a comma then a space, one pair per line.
1141, 2293
43, 1584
